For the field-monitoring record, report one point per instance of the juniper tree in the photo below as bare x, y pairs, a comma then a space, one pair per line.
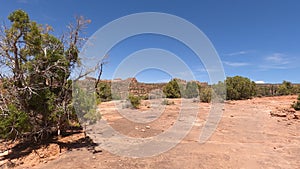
36, 94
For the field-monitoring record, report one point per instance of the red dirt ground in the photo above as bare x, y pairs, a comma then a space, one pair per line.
248, 136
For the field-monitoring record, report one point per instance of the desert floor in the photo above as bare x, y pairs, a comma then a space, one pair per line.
255, 133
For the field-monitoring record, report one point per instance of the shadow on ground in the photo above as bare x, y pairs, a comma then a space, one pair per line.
24, 148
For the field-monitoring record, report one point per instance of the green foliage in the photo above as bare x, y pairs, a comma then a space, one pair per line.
191, 90
238, 88
134, 100
205, 94
13, 122
296, 105
286, 88
264, 91
85, 103
144, 97
38, 90
172, 90
219, 91
296, 89
104, 91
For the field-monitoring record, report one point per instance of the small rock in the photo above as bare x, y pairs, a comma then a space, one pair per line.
147, 127
97, 150
94, 157
136, 128
297, 115
291, 110
5, 153
231, 116
278, 114
143, 130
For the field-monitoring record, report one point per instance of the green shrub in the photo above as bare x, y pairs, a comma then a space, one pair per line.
85, 102
172, 90
296, 105
238, 88
205, 94
144, 97
104, 91
135, 101
286, 88
13, 122
191, 90
219, 91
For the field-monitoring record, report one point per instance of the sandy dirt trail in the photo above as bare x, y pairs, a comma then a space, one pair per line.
246, 137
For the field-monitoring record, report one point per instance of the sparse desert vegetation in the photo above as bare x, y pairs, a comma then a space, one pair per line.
247, 130
296, 105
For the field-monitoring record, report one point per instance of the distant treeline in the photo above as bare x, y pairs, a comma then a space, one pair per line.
234, 88
286, 88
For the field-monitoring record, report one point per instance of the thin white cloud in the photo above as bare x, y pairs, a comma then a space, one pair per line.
260, 82
243, 52
27, 1
268, 67
236, 64
278, 58
276, 61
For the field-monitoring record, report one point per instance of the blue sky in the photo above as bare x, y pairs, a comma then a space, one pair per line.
256, 39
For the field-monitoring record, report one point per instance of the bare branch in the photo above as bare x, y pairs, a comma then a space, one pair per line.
103, 61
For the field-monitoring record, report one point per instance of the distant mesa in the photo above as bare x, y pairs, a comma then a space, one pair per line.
139, 88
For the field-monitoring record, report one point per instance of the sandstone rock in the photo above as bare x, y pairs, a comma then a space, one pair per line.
5, 153
278, 114
297, 115
97, 149
292, 111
